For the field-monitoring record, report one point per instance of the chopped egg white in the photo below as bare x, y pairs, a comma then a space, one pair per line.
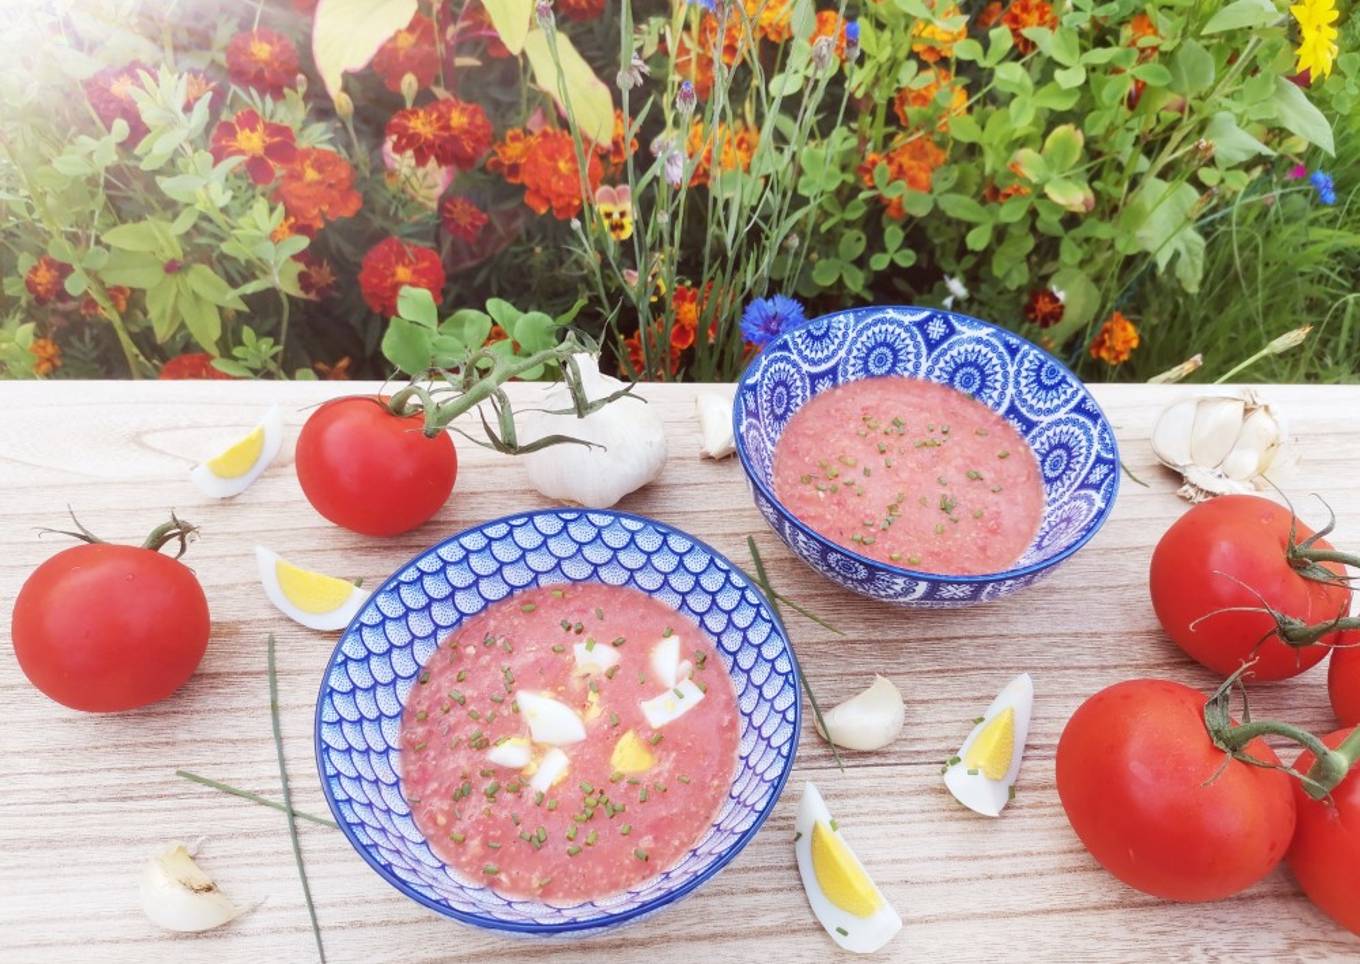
550, 722
231, 471
665, 660
515, 753
551, 769
315, 600
672, 704
982, 775
593, 657
843, 897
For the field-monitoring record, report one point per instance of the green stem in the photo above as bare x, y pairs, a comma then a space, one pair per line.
253, 797
1325, 555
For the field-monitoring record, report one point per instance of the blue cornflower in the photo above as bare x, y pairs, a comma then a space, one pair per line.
852, 32
1322, 183
709, 5
766, 318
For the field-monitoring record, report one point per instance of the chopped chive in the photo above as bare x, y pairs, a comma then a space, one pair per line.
972, 773
599, 613
424, 676
571, 832
618, 641
625, 829
552, 804
494, 844
974, 474
654, 739
573, 850
559, 648
1003, 454
834, 825
640, 854
585, 787
612, 671
591, 838
616, 776
682, 778
642, 795
421, 715
667, 633
497, 698
613, 719
462, 675
457, 836
491, 870
679, 695
842, 931
558, 594
474, 715
1010, 792
590, 644
457, 696
593, 686
420, 746
527, 608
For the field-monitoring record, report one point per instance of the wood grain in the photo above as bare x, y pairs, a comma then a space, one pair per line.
85, 799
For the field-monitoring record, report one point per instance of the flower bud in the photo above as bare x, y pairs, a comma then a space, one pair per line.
344, 106
686, 98
300, 82
822, 51
1290, 339
543, 12
852, 41
410, 86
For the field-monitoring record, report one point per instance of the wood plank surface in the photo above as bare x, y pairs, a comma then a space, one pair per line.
85, 799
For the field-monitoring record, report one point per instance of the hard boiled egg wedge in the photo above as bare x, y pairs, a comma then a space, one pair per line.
551, 722
231, 471
843, 897
983, 773
310, 598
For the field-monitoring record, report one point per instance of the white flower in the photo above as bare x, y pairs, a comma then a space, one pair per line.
1059, 294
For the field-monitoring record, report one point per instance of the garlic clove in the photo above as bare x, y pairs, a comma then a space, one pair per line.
715, 426
1257, 441
1217, 423
870, 720
1171, 434
178, 896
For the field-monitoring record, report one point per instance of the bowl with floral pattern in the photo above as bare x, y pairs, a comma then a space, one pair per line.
1041, 398
384, 651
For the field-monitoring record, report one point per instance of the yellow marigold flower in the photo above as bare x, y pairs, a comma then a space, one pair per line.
1115, 341
1317, 48
939, 41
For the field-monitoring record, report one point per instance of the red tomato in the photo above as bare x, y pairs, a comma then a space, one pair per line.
1134, 767
1343, 679
104, 628
373, 472
1325, 856
1230, 553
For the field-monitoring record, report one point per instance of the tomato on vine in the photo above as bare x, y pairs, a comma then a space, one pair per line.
1325, 855
1343, 678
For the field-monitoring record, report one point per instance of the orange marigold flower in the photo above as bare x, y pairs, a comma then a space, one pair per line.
507, 157
286, 228
990, 15
110, 94
339, 372
773, 19
1115, 341
195, 365
1028, 13
317, 187
451, 132
1140, 27
411, 50
637, 359
736, 146
47, 354
462, 219
830, 24
46, 278
1044, 308
579, 9
616, 152
552, 177
317, 277
118, 296
264, 60
913, 161
932, 42
694, 54
925, 98
996, 195
392, 263
685, 302
261, 143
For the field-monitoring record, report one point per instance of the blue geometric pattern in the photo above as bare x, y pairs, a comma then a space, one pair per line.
1031, 389
376, 662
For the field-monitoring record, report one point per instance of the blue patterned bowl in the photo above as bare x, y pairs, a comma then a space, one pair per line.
1034, 391
375, 664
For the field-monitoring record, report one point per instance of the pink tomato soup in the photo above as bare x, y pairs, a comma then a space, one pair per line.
597, 831
911, 473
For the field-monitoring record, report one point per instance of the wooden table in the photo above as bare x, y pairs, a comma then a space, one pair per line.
85, 799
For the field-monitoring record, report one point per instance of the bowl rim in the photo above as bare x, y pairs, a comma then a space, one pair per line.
920, 575
610, 919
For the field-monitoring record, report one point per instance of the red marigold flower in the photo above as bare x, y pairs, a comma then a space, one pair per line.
462, 219
47, 355
451, 132
46, 278
685, 301
318, 186
912, 161
1116, 340
118, 295
637, 362
411, 50
583, 9
1028, 13
392, 263
197, 365
552, 177
261, 143
1044, 308
990, 15
264, 60
317, 277
110, 94
507, 157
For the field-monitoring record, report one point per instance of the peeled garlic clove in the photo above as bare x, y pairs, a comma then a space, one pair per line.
1254, 451
715, 426
1171, 435
867, 721
179, 896
1217, 423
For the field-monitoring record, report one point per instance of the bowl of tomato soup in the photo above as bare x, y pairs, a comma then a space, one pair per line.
923, 457
557, 721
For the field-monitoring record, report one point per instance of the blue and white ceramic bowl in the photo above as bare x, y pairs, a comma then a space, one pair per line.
1034, 391
375, 664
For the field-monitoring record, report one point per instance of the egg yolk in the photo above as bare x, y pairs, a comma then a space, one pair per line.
841, 878
630, 755
991, 752
240, 458
311, 591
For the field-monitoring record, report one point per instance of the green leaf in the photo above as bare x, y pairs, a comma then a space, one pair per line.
347, 33
1065, 49
1053, 97
851, 245
803, 19
918, 203
469, 326
534, 331
161, 308
1013, 209
1012, 78
999, 43
1081, 298
1192, 69
880, 261
205, 283
138, 236
1032, 165
591, 102
979, 237
826, 272
968, 49
201, 317
182, 187
1063, 147
417, 305
1190, 264
1232, 145
1069, 77
1240, 14
1152, 74
133, 270
1073, 195
407, 345
904, 258
964, 129
964, 208
76, 282
1296, 114
504, 313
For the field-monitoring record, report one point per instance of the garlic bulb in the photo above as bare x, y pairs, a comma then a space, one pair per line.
628, 450
866, 721
1218, 443
179, 896
715, 426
